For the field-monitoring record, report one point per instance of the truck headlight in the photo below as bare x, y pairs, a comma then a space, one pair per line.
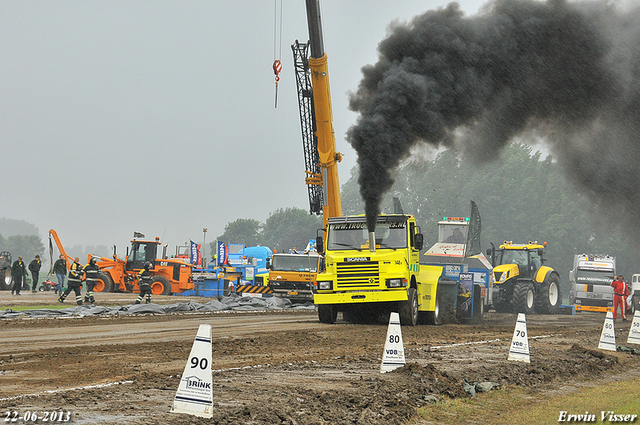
325, 285
396, 283
504, 277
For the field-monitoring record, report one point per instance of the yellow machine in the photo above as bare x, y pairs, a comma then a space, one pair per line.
522, 283
370, 274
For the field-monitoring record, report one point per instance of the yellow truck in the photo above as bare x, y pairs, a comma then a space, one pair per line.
367, 275
293, 275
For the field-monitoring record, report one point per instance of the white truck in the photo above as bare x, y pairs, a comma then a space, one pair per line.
634, 292
590, 282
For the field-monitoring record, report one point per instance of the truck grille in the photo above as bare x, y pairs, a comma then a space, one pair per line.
357, 275
497, 276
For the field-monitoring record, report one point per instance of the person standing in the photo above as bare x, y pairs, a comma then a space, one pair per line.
19, 272
60, 270
91, 271
618, 286
75, 282
34, 268
144, 280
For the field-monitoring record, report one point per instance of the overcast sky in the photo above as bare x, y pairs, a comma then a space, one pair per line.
158, 116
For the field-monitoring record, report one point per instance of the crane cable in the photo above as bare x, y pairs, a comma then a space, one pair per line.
277, 45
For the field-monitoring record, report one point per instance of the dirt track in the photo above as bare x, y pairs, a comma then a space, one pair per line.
279, 367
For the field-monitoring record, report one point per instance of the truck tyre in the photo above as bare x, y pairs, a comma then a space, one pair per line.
435, 317
160, 285
104, 283
327, 313
523, 300
409, 309
549, 296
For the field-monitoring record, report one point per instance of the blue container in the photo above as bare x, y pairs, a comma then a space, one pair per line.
208, 286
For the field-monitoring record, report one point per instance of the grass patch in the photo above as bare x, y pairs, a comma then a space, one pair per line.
517, 405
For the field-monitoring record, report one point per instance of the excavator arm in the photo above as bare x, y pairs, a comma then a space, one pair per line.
54, 235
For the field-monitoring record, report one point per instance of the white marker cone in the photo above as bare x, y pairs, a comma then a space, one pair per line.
634, 330
608, 335
195, 392
393, 356
519, 350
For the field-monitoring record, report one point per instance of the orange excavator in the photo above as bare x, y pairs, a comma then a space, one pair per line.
169, 275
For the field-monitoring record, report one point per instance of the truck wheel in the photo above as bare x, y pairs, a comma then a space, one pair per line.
435, 317
549, 296
327, 313
104, 283
523, 300
409, 309
160, 285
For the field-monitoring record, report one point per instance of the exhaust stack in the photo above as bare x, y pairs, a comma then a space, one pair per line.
372, 241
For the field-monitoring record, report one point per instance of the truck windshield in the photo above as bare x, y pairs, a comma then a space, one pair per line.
452, 233
594, 277
294, 263
235, 248
346, 236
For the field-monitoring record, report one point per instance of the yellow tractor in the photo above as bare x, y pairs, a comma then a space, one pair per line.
522, 283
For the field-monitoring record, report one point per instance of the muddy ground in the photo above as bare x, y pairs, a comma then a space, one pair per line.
280, 367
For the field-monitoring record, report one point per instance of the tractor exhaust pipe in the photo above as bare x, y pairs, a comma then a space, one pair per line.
372, 241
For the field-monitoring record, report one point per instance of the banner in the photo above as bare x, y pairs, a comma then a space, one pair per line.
195, 257
222, 253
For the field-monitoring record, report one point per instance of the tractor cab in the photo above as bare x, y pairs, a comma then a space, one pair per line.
523, 260
141, 252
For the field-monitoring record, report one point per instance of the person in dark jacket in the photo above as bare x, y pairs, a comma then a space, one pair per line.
144, 280
75, 282
91, 271
60, 270
34, 268
18, 272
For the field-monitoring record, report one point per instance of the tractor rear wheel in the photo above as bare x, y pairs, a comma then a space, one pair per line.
523, 300
5, 280
160, 285
549, 296
409, 309
104, 283
327, 313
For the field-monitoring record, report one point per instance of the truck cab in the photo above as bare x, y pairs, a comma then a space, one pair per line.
369, 274
294, 275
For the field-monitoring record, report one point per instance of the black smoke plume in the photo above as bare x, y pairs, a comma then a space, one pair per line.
568, 72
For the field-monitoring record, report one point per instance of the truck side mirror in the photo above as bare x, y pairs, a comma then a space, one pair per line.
319, 244
268, 263
489, 252
419, 241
